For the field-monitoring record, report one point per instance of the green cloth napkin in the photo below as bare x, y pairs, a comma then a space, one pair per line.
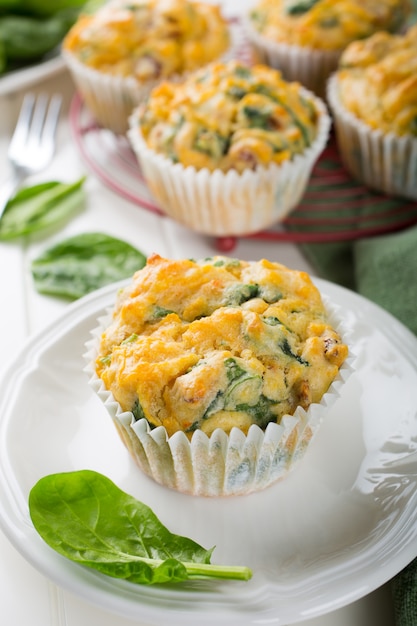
383, 269
404, 594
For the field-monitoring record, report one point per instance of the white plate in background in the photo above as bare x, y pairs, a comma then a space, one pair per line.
24, 78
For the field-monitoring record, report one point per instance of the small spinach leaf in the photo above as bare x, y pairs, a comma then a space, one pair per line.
138, 412
160, 312
298, 7
85, 517
83, 263
262, 412
233, 370
286, 348
238, 293
39, 207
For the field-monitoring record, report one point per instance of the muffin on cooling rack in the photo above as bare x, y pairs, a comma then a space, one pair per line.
373, 97
218, 372
304, 38
229, 151
118, 53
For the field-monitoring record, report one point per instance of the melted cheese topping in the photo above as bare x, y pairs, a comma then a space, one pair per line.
326, 24
218, 343
149, 39
229, 116
378, 81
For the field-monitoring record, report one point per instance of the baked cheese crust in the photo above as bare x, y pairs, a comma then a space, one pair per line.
218, 343
149, 39
326, 24
229, 116
378, 81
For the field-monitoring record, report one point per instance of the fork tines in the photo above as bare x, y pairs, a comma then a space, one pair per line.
33, 116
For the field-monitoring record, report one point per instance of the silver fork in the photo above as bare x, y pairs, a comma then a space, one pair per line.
33, 143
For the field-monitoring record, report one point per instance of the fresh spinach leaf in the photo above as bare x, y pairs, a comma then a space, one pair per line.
242, 72
298, 7
138, 412
236, 92
241, 383
237, 294
233, 370
271, 320
85, 517
216, 405
83, 263
39, 207
160, 312
262, 412
286, 348
211, 143
258, 118
131, 339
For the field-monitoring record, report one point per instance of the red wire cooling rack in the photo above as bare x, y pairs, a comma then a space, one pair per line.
334, 206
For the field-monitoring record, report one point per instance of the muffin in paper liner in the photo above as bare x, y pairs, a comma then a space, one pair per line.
229, 203
111, 98
306, 39
219, 464
309, 66
383, 161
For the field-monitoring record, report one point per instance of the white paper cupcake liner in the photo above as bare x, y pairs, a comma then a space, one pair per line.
309, 66
111, 99
383, 161
219, 465
223, 204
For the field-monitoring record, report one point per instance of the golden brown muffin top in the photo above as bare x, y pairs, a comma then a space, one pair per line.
218, 343
377, 81
326, 24
149, 39
229, 116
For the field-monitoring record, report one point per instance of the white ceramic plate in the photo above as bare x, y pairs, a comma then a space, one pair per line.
339, 526
25, 77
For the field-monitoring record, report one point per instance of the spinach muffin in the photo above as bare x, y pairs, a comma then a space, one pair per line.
373, 97
214, 348
118, 53
229, 150
304, 38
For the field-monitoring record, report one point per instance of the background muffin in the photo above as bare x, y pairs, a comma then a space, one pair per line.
304, 38
120, 52
223, 348
230, 150
373, 97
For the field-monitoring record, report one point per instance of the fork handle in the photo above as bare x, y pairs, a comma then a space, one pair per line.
8, 189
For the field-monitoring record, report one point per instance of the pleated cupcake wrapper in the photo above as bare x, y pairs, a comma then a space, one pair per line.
383, 161
219, 465
309, 66
111, 99
222, 204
